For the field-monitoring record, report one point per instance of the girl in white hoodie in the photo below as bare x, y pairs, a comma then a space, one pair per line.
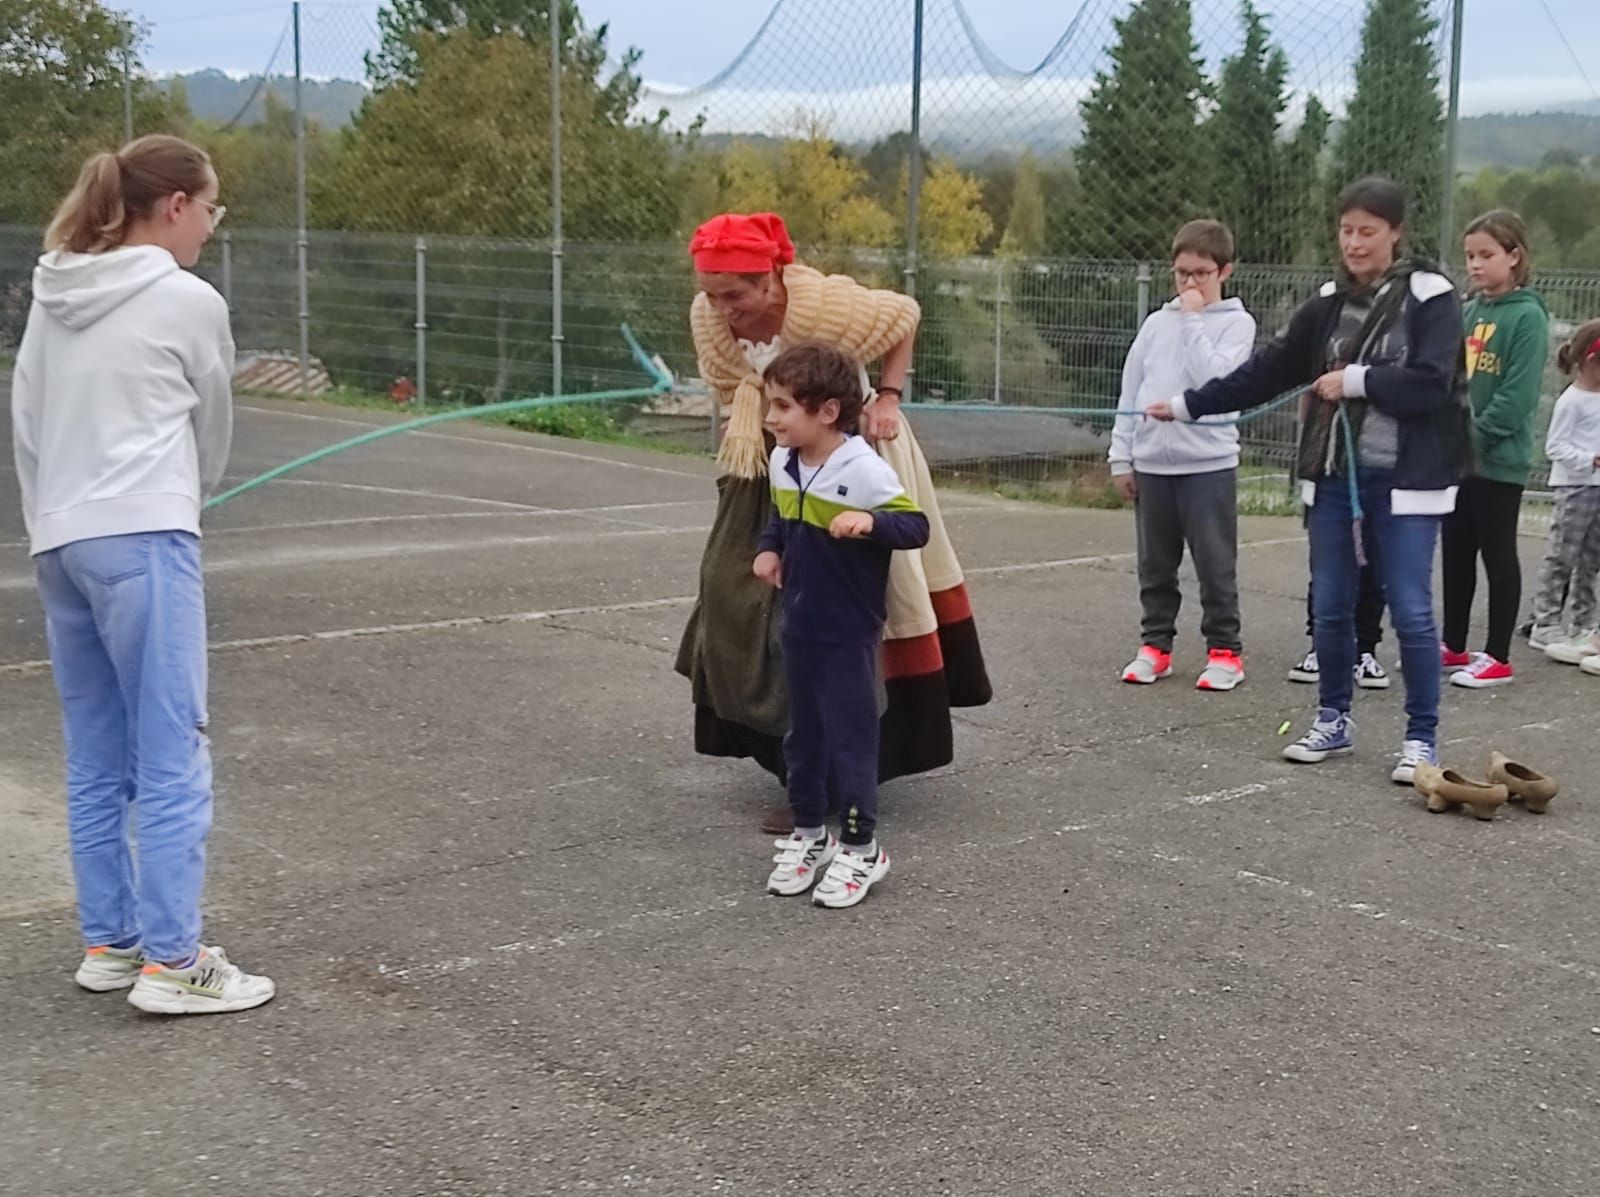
121, 418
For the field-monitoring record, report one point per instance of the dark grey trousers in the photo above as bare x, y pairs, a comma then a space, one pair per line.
1202, 512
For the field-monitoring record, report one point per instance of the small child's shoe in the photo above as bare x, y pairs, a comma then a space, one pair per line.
105, 969
1484, 672
1574, 649
1542, 638
1370, 673
1526, 785
799, 863
1307, 669
1224, 670
849, 878
1150, 666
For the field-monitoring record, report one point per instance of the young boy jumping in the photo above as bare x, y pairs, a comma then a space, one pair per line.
841, 512
1184, 481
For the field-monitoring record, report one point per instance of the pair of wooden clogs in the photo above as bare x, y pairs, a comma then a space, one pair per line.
1445, 789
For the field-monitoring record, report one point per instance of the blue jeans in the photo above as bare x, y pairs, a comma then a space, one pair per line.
1401, 548
126, 617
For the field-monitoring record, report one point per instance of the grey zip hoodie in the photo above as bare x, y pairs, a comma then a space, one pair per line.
1177, 351
121, 405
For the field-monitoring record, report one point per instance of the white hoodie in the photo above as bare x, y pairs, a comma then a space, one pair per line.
1177, 351
122, 405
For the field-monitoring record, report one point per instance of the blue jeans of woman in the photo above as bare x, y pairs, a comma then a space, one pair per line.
126, 618
1400, 548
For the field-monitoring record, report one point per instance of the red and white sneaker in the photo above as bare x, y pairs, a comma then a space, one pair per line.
1150, 666
1485, 671
1449, 659
1224, 670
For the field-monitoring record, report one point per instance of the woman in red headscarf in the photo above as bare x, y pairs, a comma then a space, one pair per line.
754, 300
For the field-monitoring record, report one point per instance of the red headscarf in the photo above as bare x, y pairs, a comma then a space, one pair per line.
736, 244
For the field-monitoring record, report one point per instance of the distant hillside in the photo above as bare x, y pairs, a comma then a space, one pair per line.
1522, 139
214, 96
1499, 139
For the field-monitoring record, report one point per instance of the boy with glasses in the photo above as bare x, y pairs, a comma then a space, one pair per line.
1184, 484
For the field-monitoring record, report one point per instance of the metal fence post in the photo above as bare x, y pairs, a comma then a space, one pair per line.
422, 321
227, 269
999, 316
300, 243
127, 84
1144, 292
556, 332
1447, 217
914, 171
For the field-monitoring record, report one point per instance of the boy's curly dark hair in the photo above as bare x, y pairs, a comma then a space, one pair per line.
813, 374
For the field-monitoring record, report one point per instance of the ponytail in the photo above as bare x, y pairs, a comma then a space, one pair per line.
1583, 343
114, 190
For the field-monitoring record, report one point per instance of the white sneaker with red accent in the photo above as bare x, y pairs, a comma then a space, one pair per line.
1151, 665
1485, 671
849, 878
799, 863
1224, 670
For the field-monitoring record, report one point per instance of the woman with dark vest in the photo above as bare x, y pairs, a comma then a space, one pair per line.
1382, 452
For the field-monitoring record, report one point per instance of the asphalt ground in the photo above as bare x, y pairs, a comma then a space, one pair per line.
521, 938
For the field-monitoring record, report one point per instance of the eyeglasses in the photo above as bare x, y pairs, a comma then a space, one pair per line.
217, 211
1198, 276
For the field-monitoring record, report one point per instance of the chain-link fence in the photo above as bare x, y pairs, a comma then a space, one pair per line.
1029, 209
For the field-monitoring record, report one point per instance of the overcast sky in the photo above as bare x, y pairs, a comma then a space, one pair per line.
1514, 58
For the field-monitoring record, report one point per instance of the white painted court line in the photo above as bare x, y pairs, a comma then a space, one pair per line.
1110, 558
418, 517
1376, 913
349, 553
472, 621
474, 440
550, 943
405, 491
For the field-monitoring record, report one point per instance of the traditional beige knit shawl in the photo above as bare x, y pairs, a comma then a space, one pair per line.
833, 309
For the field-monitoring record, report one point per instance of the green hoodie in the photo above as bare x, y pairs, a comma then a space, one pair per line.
1508, 340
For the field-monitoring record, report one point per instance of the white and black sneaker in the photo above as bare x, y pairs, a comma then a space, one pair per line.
211, 985
799, 863
849, 878
1370, 675
1306, 669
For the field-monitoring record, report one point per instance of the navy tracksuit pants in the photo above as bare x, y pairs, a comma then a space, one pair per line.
832, 746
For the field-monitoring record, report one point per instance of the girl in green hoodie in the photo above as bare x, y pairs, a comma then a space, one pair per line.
1508, 340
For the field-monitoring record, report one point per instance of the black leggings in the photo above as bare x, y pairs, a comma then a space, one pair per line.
1484, 523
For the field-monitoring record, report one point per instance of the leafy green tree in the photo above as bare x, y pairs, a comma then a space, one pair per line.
1025, 226
61, 98
404, 23
1395, 124
1265, 185
466, 150
1141, 166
